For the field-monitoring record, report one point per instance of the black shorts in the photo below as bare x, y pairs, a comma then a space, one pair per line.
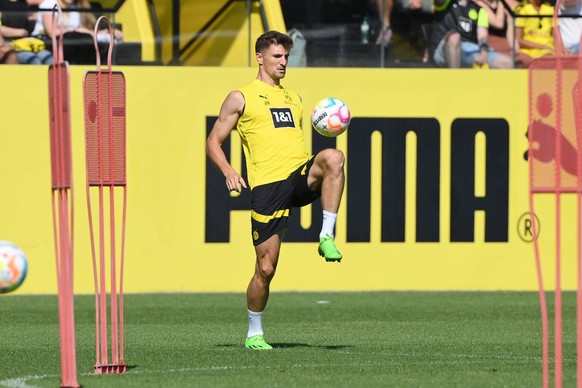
271, 204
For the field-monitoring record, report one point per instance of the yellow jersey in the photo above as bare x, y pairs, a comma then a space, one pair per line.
536, 30
270, 129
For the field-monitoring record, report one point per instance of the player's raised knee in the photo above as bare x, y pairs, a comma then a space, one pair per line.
334, 159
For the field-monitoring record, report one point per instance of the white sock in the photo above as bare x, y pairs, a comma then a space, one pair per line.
255, 323
328, 224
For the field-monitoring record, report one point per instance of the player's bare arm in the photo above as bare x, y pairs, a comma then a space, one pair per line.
230, 111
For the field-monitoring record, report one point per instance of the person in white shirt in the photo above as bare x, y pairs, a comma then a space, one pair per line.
72, 21
571, 27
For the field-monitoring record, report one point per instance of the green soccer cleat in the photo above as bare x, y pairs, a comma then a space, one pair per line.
328, 249
257, 342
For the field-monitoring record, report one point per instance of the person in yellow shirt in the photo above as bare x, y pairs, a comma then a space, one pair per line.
281, 174
535, 35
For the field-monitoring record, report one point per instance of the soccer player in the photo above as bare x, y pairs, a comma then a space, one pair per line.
281, 174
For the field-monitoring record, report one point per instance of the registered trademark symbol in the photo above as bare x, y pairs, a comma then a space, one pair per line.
525, 227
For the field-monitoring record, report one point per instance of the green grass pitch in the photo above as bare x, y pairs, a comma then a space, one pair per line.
345, 339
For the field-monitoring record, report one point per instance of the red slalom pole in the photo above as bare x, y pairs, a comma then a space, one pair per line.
62, 202
555, 161
105, 149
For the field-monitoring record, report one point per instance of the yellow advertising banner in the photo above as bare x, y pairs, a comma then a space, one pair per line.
436, 197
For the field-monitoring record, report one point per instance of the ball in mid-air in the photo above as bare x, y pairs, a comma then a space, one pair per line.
331, 117
13, 267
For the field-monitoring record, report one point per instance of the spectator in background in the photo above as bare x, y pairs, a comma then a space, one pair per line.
7, 53
460, 37
17, 26
535, 35
501, 28
571, 28
385, 8
78, 31
385, 13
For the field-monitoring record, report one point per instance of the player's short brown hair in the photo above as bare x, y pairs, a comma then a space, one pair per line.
273, 37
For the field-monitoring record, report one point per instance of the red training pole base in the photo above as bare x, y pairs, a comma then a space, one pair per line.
106, 369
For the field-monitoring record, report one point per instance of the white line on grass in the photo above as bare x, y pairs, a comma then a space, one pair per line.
25, 381
22, 382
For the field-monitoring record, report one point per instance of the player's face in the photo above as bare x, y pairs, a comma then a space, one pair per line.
274, 61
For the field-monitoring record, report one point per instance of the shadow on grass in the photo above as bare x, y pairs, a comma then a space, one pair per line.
283, 345
298, 345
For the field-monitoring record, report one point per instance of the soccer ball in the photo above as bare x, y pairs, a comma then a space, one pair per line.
13, 267
331, 117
